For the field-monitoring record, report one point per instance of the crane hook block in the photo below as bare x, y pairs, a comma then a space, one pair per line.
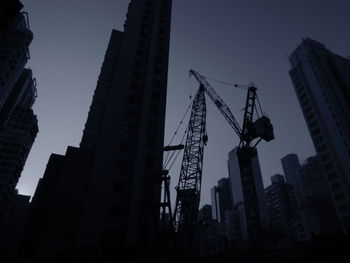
264, 128
205, 139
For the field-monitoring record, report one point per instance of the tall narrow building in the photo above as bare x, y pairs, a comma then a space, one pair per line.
291, 164
18, 124
283, 210
221, 199
316, 207
125, 128
103, 198
322, 83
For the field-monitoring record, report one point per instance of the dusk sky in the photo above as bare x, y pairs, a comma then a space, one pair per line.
238, 41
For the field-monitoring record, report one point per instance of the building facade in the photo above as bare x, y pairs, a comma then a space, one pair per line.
316, 207
283, 210
221, 199
215, 204
126, 174
18, 124
322, 83
106, 193
291, 164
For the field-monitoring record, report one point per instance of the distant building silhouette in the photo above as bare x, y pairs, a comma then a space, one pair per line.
291, 164
322, 84
205, 214
103, 198
283, 210
215, 205
316, 207
15, 225
18, 124
221, 199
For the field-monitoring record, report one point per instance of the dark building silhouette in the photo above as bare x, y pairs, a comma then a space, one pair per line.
283, 210
14, 225
221, 199
18, 124
316, 207
100, 200
322, 84
205, 214
291, 164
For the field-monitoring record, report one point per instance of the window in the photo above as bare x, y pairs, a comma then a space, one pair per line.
158, 71
316, 131
137, 75
115, 210
310, 116
343, 208
140, 52
325, 157
313, 124
305, 102
134, 86
119, 187
335, 186
142, 43
339, 197
130, 114
122, 165
307, 109
132, 99
328, 166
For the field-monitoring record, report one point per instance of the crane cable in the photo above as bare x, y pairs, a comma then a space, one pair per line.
177, 154
167, 158
226, 83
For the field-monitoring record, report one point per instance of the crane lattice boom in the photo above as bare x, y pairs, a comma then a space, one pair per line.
217, 101
189, 186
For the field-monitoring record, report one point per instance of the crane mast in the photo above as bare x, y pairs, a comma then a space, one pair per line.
188, 189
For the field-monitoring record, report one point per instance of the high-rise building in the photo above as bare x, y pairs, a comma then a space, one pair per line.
221, 199
282, 208
205, 214
316, 207
291, 164
104, 197
18, 124
322, 83
128, 109
215, 204
239, 195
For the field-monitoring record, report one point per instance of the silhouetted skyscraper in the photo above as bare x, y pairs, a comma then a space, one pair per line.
322, 84
290, 164
104, 197
125, 128
221, 199
215, 205
205, 214
282, 208
316, 207
18, 124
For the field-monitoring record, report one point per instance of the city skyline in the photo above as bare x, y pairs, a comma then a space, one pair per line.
238, 61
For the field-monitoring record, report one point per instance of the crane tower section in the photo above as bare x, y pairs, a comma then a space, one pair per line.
189, 185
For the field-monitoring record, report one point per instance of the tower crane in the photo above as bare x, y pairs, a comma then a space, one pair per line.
189, 185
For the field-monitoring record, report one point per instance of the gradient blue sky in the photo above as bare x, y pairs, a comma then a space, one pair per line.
232, 40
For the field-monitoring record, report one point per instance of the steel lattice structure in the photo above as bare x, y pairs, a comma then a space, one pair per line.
188, 189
